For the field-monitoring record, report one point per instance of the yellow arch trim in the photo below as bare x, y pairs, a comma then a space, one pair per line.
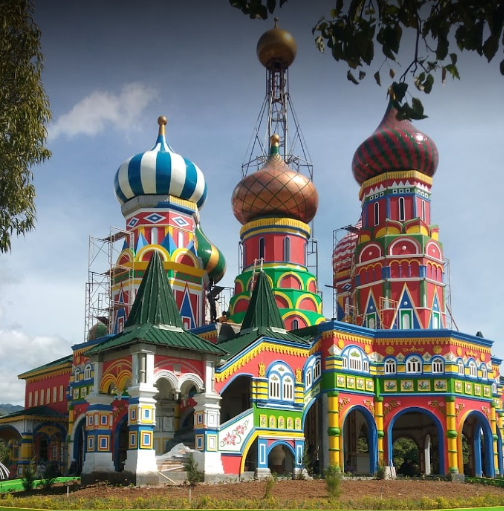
247, 284
283, 295
270, 434
165, 255
184, 251
310, 298
122, 378
105, 383
287, 315
241, 299
290, 274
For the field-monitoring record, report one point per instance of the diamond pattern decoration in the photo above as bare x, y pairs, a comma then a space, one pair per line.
275, 190
180, 221
154, 218
133, 222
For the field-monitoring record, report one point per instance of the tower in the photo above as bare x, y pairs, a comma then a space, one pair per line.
276, 199
398, 266
161, 193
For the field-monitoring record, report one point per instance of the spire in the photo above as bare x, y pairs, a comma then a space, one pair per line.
154, 302
262, 310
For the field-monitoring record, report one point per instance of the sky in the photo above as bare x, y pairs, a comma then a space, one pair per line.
111, 68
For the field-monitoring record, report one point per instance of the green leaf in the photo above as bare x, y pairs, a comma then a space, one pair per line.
377, 77
442, 48
362, 75
417, 109
429, 82
271, 5
351, 77
490, 47
453, 58
319, 43
399, 90
453, 71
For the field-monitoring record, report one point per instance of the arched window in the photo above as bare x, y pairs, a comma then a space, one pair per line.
287, 247
484, 372
365, 366
473, 370
376, 213
288, 388
494, 390
308, 378
461, 368
344, 361
295, 324
87, 372
390, 366
401, 208
414, 365
261, 248
317, 369
438, 365
355, 360
423, 211
281, 383
76, 374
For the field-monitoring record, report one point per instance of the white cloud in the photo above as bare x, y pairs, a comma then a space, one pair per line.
101, 109
20, 353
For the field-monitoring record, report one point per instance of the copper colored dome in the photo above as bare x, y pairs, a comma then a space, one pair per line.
275, 190
276, 47
394, 146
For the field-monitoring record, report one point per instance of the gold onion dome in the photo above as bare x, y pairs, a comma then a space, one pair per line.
276, 47
275, 190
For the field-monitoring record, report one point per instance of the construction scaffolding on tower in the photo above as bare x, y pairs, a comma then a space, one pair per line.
103, 254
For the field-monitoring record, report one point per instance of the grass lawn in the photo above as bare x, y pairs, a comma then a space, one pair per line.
17, 485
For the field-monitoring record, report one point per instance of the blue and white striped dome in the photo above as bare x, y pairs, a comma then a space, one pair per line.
160, 171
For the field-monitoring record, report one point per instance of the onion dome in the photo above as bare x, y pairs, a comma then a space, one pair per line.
275, 190
98, 330
394, 146
213, 259
276, 48
160, 171
345, 249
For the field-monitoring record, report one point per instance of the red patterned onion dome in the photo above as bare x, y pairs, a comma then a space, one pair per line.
345, 249
394, 146
275, 190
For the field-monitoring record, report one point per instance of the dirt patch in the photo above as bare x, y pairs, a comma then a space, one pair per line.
352, 490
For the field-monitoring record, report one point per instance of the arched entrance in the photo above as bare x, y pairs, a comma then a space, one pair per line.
311, 426
120, 453
235, 398
478, 433
425, 430
79, 447
281, 458
360, 441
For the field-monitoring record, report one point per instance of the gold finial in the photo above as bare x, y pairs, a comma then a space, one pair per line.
162, 121
275, 139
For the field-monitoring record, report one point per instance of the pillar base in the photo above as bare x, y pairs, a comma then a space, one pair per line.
262, 473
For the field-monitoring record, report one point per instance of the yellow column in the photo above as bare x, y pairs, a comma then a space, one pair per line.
334, 430
379, 428
451, 435
26, 451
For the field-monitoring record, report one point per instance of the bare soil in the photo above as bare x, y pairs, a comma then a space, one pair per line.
352, 490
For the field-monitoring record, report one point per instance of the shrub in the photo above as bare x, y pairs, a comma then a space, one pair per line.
332, 479
270, 484
28, 479
193, 477
380, 472
50, 476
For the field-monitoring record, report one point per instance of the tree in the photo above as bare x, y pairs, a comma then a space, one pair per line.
354, 27
24, 114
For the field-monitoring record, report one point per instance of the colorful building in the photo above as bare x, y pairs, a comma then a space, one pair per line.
271, 385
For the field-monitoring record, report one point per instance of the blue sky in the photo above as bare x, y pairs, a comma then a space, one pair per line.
111, 68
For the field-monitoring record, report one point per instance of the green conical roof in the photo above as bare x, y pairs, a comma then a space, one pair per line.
154, 302
155, 319
262, 319
262, 310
